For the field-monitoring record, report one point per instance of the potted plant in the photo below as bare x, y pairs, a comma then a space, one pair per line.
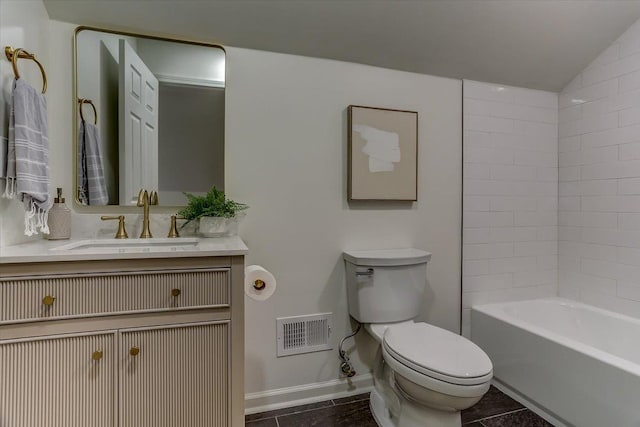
217, 215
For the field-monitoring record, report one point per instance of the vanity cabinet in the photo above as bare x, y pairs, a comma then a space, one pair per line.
163, 380
58, 381
136, 342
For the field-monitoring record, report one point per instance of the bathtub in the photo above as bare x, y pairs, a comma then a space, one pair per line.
576, 364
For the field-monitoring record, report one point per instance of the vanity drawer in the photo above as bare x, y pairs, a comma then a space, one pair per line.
82, 295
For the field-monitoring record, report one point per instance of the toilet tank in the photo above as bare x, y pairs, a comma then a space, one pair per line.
385, 285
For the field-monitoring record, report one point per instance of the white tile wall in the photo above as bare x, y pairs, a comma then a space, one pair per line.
599, 188
510, 218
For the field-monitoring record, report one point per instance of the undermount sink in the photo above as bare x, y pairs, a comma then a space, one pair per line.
130, 245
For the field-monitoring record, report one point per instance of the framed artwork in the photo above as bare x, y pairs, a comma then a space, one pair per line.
383, 154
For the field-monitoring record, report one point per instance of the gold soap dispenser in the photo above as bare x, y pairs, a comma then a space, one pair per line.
59, 221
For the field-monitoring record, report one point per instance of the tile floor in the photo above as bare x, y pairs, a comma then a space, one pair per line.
496, 409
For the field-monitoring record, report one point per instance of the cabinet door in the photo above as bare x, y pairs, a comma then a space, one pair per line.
175, 376
57, 381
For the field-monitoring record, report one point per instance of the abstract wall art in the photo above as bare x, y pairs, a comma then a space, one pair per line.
383, 154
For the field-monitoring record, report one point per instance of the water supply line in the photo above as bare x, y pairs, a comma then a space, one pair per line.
346, 367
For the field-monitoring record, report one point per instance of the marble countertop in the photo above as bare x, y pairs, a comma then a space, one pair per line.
104, 249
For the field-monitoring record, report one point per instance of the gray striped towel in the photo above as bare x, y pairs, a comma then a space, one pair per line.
28, 156
92, 189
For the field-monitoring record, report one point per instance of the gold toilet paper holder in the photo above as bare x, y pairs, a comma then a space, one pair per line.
259, 284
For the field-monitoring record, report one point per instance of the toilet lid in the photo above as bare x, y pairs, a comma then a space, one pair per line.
438, 353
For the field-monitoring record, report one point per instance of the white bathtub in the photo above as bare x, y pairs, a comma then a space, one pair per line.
575, 362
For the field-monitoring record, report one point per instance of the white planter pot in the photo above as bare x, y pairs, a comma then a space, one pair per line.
212, 226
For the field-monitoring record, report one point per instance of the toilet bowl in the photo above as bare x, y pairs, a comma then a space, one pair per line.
423, 375
436, 374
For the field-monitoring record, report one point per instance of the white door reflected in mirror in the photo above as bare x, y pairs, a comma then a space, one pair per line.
138, 148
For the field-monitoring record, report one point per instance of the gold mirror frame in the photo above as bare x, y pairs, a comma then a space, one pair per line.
78, 207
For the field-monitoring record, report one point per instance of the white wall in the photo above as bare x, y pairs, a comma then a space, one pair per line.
26, 24
286, 158
23, 24
510, 195
182, 61
191, 157
286, 152
600, 180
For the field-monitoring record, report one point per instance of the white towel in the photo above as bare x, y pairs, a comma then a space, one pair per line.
28, 156
92, 189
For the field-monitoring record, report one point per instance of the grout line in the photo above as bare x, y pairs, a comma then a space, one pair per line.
500, 415
257, 419
295, 412
277, 423
352, 401
333, 404
480, 418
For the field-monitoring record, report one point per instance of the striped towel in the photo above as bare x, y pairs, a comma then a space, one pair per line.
91, 185
28, 156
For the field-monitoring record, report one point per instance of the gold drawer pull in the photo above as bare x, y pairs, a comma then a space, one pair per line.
48, 300
97, 355
175, 292
134, 351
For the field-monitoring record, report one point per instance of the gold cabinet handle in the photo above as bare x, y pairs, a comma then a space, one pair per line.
134, 351
48, 300
97, 355
175, 292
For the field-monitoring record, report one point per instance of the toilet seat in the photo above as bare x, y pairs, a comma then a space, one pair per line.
431, 383
436, 353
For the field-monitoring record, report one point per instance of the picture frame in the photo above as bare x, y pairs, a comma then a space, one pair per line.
382, 154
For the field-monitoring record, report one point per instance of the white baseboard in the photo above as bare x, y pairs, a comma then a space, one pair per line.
308, 393
528, 403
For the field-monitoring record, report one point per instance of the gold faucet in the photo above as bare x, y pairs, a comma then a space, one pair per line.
173, 230
144, 200
122, 232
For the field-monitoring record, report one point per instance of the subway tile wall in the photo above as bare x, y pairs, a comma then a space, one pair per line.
599, 188
510, 195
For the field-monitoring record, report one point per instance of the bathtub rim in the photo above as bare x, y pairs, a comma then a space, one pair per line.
494, 311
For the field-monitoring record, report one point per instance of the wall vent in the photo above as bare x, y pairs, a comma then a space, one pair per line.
304, 334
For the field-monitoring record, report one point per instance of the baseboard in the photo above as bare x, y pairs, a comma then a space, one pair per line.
307, 393
528, 403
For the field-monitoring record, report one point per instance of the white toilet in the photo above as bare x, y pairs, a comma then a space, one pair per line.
424, 375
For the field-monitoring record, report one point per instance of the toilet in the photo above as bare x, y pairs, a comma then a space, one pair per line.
423, 375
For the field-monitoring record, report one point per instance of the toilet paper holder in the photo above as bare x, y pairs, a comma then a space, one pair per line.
259, 283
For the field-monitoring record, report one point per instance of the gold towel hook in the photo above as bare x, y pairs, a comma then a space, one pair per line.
82, 101
14, 54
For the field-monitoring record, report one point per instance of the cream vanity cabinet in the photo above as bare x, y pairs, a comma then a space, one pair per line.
127, 343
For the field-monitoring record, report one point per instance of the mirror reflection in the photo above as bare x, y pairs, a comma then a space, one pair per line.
150, 114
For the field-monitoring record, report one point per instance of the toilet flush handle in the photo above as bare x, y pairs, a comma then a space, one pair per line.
369, 272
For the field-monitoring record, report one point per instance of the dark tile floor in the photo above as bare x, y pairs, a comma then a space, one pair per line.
496, 409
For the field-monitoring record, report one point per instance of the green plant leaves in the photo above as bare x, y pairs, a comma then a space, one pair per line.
214, 203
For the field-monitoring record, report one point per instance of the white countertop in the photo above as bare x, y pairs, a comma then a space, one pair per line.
50, 251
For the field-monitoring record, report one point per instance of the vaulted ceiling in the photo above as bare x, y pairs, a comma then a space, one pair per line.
540, 44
